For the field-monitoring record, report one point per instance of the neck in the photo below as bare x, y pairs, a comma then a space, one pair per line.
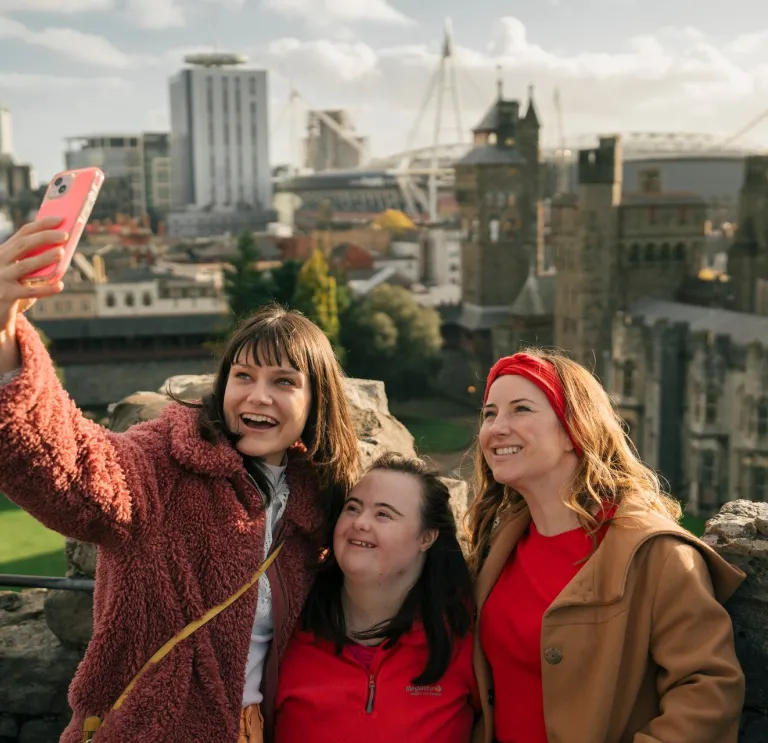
367, 605
546, 501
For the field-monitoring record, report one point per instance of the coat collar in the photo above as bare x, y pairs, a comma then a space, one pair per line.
603, 578
302, 512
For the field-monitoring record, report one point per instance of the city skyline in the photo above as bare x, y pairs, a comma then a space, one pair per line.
76, 67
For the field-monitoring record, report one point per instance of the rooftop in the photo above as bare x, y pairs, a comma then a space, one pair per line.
492, 155
741, 328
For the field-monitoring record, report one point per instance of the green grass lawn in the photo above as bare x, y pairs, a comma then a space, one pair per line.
694, 524
26, 546
437, 436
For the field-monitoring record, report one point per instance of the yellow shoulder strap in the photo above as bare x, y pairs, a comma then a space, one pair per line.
92, 724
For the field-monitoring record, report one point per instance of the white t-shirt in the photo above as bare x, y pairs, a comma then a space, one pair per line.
261, 634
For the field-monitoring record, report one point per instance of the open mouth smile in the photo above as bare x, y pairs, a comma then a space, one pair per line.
507, 450
258, 422
360, 543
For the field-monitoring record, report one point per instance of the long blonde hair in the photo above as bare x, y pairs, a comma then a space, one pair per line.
609, 470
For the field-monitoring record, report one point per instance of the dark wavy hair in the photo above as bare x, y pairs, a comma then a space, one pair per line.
441, 598
272, 334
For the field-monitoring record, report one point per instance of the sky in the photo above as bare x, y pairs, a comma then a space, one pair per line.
75, 67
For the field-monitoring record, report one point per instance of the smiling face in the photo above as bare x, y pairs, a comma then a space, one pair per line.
267, 406
379, 538
521, 438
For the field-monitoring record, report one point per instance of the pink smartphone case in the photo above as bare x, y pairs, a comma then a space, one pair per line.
75, 206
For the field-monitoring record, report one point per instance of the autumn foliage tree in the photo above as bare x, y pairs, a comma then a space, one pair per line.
316, 296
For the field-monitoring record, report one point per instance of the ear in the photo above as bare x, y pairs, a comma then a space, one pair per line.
428, 538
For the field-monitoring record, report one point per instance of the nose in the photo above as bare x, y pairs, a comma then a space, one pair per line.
361, 522
259, 393
500, 426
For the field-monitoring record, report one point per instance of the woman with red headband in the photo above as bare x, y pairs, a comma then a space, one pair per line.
600, 618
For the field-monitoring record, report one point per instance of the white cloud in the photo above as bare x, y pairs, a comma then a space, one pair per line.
88, 48
675, 80
155, 14
322, 12
24, 81
55, 6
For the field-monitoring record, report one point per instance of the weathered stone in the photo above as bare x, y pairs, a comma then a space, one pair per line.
8, 728
24, 606
41, 731
736, 534
81, 558
37, 670
143, 406
69, 615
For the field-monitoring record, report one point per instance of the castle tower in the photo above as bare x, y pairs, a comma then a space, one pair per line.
748, 257
584, 230
497, 189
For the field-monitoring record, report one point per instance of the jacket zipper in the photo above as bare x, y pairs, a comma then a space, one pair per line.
371, 693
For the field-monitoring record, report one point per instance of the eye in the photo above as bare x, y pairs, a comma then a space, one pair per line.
384, 514
487, 414
351, 507
522, 409
285, 381
242, 375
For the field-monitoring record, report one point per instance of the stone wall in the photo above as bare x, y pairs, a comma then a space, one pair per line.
43, 633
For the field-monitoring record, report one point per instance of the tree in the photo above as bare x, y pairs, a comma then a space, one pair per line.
284, 280
389, 336
247, 287
315, 296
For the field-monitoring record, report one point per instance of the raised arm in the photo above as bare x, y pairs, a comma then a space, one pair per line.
65, 470
700, 681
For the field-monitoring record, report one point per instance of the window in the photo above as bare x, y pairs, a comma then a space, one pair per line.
666, 252
762, 418
760, 484
110, 299
628, 380
493, 230
634, 254
707, 476
130, 300
680, 252
649, 252
710, 406
146, 299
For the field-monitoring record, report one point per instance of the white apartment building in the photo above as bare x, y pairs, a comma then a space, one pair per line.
144, 291
220, 137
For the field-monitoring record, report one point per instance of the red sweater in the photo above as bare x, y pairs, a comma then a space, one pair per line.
510, 627
323, 697
180, 527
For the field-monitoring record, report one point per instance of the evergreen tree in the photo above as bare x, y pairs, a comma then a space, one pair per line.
315, 296
247, 288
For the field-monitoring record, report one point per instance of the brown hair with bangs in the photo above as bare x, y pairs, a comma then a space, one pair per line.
273, 335
610, 470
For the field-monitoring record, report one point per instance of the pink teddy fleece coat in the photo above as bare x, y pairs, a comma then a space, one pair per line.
180, 527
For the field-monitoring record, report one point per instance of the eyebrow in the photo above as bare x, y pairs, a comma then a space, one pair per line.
379, 504
511, 402
280, 370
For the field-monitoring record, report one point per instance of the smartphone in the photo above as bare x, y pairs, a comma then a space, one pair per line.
71, 195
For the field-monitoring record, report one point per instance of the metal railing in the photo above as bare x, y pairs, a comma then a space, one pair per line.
9, 580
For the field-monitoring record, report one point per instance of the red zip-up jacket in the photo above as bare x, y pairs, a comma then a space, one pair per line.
325, 697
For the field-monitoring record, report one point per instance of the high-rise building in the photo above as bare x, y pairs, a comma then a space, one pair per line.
219, 136
134, 165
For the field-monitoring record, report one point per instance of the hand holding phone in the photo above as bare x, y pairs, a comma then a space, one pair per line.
70, 195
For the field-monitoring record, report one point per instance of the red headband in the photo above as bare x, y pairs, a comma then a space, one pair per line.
543, 374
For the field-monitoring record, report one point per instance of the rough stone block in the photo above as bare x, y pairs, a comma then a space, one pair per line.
41, 731
69, 615
37, 671
737, 533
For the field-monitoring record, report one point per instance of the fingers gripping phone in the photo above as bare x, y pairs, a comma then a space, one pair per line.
71, 195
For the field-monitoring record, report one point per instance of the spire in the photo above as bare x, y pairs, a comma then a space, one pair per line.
531, 116
499, 82
448, 39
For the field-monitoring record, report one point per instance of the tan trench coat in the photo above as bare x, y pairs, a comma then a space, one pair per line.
638, 647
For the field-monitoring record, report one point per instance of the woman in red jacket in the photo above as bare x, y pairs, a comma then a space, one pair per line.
184, 510
385, 653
